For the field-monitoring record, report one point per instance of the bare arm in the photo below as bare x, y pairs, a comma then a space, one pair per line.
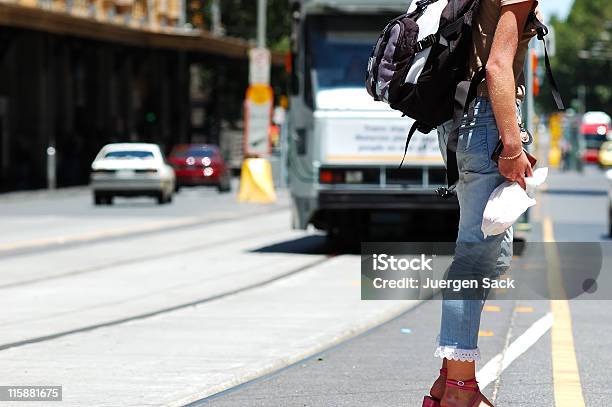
502, 87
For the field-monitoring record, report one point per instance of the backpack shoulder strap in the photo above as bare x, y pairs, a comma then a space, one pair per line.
542, 31
422, 127
464, 95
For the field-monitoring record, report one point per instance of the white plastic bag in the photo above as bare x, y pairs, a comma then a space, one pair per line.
508, 202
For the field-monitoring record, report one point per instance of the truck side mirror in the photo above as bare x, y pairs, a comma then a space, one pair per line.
294, 81
292, 56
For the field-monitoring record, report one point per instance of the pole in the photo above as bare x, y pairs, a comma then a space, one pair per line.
582, 92
261, 23
216, 18
524, 220
529, 90
51, 165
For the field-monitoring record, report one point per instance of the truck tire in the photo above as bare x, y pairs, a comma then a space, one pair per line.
346, 231
225, 185
102, 199
98, 199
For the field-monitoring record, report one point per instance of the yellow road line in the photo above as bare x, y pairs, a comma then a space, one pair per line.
524, 310
492, 308
547, 230
566, 376
485, 333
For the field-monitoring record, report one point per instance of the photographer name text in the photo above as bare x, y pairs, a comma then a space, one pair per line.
424, 263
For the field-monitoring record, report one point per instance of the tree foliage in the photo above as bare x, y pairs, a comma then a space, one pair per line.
584, 55
239, 17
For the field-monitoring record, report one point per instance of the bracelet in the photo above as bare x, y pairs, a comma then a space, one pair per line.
514, 157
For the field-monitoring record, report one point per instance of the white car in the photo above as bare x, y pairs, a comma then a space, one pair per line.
131, 169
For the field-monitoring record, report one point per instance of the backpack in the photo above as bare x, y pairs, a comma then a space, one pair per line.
419, 66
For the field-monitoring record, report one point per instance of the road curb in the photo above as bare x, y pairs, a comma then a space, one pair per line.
204, 396
43, 193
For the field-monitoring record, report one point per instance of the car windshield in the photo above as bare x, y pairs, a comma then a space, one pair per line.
194, 152
340, 47
129, 155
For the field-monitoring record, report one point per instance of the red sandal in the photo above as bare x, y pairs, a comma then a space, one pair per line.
429, 401
464, 385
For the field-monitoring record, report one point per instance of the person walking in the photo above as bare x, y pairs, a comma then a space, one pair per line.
500, 41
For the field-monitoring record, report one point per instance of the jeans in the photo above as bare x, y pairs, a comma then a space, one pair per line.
475, 257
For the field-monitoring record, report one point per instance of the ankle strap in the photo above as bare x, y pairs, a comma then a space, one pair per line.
464, 384
443, 372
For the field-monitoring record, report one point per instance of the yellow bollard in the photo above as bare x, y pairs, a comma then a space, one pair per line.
554, 157
256, 182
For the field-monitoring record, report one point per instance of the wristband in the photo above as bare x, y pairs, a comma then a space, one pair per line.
514, 157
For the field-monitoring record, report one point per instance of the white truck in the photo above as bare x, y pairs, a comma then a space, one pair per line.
345, 148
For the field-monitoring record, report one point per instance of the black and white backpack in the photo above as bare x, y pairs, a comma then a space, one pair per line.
419, 66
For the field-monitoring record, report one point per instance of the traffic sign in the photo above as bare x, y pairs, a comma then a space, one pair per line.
258, 114
259, 66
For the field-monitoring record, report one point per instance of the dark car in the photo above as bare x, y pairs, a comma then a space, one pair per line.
200, 164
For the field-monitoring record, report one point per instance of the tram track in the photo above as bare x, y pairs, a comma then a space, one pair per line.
9, 250
169, 309
140, 259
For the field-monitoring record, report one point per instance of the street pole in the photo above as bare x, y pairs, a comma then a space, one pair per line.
261, 23
182, 14
51, 166
215, 10
529, 88
528, 120
582, 92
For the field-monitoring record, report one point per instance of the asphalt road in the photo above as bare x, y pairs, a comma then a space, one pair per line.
202, 302
393, 365
138, 304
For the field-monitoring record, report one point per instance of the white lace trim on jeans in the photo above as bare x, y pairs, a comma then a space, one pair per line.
463, 355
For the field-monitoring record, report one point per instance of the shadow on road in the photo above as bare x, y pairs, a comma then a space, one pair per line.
318, 244
315, 244
132, 204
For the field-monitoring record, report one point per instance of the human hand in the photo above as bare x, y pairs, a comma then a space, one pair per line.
515, 170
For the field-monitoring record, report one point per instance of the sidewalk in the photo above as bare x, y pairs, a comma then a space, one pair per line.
44, 193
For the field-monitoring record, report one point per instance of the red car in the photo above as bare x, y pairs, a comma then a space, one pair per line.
594, 135
200, 164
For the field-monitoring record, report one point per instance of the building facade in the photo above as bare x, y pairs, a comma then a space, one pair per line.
77, 74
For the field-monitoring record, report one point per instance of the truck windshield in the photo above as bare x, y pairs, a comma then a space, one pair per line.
339, 47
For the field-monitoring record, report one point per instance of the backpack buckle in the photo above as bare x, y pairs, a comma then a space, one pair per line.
422, 5
446, 192
426, 42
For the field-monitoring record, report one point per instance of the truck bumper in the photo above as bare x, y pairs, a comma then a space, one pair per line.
404, 199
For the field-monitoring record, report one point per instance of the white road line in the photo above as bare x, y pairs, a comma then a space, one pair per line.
489, 373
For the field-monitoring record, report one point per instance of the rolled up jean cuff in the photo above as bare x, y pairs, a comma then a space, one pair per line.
454, 353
